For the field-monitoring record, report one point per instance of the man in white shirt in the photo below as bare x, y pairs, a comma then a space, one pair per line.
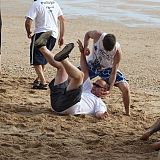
71, 90
104, 61
46, 14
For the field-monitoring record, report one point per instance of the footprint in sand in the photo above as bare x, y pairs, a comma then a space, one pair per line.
3, 90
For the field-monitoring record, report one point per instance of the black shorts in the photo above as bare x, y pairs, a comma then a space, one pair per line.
36, 57
62, 99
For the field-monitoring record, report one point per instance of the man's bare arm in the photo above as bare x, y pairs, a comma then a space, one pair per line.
61, 35
101, 115
95, 35
116, 61
83, 61
28, 25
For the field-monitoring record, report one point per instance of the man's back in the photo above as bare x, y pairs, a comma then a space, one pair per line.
100, 57
45, 13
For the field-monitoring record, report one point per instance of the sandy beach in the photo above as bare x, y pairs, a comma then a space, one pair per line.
30, 130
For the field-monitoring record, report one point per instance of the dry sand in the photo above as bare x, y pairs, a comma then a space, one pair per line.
30, 130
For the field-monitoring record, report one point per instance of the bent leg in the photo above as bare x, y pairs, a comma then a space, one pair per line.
124, 87
154, 128
76, 76
64, 68
61, 75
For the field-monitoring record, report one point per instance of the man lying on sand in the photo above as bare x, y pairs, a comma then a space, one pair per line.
71, 90
154, 128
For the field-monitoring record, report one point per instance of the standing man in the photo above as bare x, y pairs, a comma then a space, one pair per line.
0, 40
104, 61
46, 14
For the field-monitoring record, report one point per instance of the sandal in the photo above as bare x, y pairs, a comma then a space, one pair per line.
36, 84
42, 40
40, 86
36, 81
64, 53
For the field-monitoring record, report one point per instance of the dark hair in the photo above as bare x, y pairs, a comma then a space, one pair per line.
109, 42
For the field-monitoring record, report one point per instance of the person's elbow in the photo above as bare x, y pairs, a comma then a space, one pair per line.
61, 18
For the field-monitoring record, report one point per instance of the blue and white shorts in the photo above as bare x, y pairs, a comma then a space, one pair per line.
105, 74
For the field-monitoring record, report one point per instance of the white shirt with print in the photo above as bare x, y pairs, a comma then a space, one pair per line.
100, 57
89, 103
45, 13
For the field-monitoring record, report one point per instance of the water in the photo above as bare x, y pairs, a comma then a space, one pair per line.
131, 13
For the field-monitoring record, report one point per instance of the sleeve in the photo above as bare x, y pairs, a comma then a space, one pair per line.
100, 106
60, 13
32, 13
87, 85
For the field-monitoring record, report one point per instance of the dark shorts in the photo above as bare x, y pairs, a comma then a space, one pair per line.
62, 99
36, 57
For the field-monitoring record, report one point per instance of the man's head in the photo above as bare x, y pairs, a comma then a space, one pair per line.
99, 88
109, 42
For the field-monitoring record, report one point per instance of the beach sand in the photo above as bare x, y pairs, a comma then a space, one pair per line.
30, 130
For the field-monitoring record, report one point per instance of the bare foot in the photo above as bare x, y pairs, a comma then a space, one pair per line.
156, 146
145, 136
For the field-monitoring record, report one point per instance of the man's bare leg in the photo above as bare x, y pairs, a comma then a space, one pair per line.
64, 69
156, 145
154, 128
76, 76
39, 71
124, 87
61, 75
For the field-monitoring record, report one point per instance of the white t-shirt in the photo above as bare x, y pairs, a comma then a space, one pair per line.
100, 56
45, 13
89, 103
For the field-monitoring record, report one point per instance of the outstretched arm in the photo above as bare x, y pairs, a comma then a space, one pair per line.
116, 61
83, 61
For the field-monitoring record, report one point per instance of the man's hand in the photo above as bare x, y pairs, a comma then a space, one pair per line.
29, 34
80, 46
82, 49
101, 115
86, 51
105, 93
60, 41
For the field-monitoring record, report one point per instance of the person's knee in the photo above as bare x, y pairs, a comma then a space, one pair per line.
124, 87
60, 69
126, 90
37, 67
42, 49
80, 76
